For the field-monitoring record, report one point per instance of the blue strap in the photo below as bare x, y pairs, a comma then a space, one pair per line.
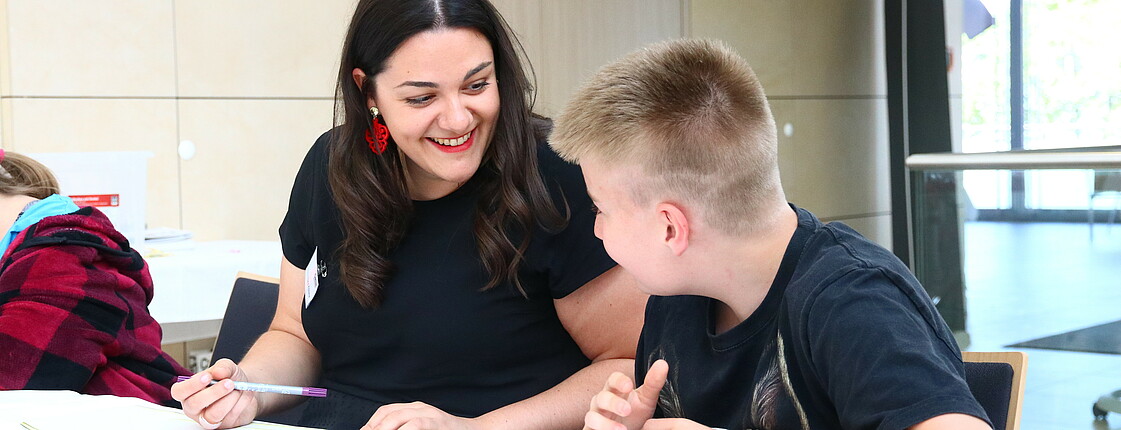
50, 206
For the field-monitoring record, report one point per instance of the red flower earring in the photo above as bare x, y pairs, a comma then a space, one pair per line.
380, 137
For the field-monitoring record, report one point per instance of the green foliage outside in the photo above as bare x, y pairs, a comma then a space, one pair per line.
1072, 76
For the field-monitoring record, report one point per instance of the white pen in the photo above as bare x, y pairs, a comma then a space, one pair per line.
270, 388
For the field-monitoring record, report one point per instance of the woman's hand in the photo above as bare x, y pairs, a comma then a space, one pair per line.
417, 416
620, 405
219, 405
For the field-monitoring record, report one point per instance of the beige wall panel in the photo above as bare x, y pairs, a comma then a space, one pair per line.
787, 150
248, 152
5, 122
259, 48
67, 125
5, 60
840, 150
760, 30
840, 47
5, 78
876, 228
802, 47
91, 47
524, 18
578, 37
785, 112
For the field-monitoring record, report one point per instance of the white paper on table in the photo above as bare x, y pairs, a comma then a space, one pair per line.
65, 410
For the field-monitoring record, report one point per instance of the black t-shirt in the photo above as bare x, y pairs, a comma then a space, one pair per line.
437, 338
845, 328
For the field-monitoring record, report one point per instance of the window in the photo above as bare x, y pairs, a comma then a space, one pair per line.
1071, 97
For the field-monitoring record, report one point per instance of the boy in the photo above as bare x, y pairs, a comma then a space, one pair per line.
766, 317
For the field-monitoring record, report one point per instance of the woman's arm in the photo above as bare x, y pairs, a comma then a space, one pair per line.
952, 421
604, 317
283, 355
285, 338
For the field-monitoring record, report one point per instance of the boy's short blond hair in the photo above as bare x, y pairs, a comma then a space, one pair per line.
691, 115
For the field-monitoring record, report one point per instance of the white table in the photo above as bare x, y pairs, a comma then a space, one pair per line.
193, 280
47, 410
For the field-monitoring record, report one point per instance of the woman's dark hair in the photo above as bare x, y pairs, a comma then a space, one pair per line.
370, 189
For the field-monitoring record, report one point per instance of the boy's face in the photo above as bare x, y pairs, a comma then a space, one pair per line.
629, 231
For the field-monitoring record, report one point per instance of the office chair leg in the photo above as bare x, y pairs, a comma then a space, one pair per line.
1106, 404
1099, 414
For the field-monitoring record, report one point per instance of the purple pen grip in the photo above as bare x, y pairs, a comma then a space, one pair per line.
304, 391
315, 392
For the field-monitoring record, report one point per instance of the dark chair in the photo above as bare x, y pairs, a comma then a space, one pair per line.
997, 382
248, 314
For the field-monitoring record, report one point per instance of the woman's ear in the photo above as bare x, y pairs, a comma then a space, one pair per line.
359, 77
676, 224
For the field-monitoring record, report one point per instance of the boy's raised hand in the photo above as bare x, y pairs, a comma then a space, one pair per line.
622, 407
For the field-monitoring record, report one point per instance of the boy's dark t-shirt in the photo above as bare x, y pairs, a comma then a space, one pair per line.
861, 344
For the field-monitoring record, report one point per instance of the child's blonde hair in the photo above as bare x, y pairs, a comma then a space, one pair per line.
692, 116
22, 175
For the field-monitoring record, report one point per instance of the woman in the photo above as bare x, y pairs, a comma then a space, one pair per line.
73, 296
441, 269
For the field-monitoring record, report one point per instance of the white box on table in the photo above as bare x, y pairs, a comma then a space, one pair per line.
115, 182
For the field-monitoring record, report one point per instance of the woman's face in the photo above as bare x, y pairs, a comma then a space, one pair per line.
439, 98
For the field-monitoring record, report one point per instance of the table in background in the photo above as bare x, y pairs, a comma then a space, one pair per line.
193, 280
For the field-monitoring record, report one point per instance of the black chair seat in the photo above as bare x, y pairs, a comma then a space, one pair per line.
248, 314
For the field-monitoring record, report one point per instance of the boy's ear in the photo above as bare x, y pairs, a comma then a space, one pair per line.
676, 225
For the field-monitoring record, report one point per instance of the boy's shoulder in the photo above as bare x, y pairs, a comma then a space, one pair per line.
839, 268
834, 251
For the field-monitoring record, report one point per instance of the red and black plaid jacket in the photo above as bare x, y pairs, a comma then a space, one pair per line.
74, 313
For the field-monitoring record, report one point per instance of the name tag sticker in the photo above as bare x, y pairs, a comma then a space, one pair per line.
311, 277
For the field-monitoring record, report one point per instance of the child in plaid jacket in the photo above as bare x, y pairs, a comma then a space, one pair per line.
73, 297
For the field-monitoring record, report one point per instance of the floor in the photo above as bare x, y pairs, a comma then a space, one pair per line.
1030, 280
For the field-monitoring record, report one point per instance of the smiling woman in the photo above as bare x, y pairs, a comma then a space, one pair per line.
445, 289
434, 107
